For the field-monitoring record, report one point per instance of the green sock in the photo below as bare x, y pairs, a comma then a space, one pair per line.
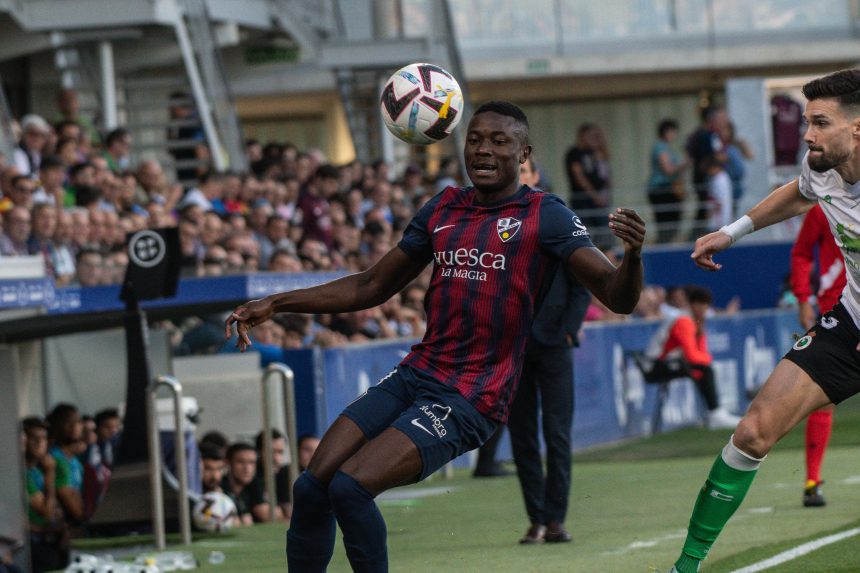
722, 494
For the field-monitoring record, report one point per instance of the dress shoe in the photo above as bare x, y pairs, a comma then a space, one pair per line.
556, 533
534, 535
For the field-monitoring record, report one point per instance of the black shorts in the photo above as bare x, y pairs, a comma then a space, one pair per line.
828, 353
440, 422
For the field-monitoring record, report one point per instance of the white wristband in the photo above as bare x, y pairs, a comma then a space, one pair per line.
741, 227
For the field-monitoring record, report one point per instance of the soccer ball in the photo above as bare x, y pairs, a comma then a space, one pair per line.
421, 104
214, 511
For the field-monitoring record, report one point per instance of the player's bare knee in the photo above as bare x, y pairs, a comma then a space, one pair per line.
749, 437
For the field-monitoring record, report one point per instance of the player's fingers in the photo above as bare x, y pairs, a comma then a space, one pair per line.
631, 214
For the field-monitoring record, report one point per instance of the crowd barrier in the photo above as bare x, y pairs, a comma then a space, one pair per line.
613, 402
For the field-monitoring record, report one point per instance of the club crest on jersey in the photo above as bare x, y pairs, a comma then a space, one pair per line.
508, 227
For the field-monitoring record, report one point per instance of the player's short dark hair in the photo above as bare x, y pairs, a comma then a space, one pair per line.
237, 448
103, 416
504, 108
666, 126
696, 293
258, 441
211, 452
843, 86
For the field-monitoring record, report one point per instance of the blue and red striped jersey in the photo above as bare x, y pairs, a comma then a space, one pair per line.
490, 262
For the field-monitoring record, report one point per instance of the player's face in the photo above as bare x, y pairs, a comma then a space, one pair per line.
495, 148
829, 134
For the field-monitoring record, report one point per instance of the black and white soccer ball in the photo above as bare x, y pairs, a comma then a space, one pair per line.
421, 104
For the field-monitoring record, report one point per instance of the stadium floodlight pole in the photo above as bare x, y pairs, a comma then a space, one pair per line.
289, 396
157, 493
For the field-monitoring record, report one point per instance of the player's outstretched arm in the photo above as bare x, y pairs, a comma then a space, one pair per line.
354, 292
617, 288
784, 203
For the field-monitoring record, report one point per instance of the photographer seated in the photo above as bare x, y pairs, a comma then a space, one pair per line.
680, 347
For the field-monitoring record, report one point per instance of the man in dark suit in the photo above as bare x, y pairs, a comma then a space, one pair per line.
547, 384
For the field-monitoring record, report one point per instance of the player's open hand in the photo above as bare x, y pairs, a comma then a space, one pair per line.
627, 225
709, 245
246, 317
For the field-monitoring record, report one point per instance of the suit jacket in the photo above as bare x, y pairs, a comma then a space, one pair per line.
562, 311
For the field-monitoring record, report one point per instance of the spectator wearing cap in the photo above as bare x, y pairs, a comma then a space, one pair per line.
34, 137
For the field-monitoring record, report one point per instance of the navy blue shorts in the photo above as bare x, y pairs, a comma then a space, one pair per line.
440, 422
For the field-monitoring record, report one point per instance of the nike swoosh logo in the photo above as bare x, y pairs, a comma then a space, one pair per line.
416, 423
438, 228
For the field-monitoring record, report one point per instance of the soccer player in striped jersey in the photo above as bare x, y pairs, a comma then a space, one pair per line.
492, 246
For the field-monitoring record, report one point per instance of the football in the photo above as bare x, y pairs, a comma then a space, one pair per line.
421, 104
214, 511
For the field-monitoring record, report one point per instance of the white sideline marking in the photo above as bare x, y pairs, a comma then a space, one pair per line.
851, 480
798, 551
680, 534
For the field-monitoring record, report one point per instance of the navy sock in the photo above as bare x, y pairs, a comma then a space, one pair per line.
310, 539
364, 532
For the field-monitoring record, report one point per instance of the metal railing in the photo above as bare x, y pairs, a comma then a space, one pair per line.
155, 464
288, 385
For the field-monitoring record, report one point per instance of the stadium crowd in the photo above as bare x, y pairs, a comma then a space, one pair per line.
69, 459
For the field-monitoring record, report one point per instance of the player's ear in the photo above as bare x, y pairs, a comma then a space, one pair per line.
526, 153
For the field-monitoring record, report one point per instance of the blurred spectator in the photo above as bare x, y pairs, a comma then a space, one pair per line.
216, 439
683, 339
16, 225
246, 492
96, 473
704, 145
738, 152
21, 189
307, 446
117, 148
719, 195
108, 428
587, 166
280, 462
41, 241
208, 195
448, 174
68, 108
665, 185
189, 150
212, 467
89, 268
275, 238
52, 173
66, 436
27, 157
314, 206
48, 540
